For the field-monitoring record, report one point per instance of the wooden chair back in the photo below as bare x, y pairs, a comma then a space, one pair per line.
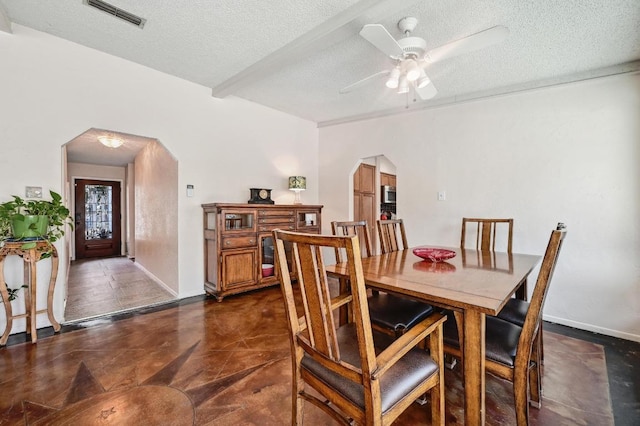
534, 314
319, 349
359, 228
392, 233
485, 232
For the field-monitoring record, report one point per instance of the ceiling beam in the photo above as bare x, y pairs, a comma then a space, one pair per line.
343, 25
5, 22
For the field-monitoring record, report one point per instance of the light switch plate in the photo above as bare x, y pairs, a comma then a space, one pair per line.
33, 192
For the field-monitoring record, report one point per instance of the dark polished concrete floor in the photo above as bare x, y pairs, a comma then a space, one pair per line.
197, 361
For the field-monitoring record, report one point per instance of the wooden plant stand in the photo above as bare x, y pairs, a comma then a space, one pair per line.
30, 258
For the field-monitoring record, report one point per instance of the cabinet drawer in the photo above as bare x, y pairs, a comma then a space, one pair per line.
309, 230
272, 220
283, 226
235, 242
266, 213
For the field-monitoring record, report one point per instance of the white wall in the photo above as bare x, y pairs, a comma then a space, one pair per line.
156, 218
53, 90
569, 153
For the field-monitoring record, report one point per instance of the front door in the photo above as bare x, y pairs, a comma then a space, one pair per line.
97, 218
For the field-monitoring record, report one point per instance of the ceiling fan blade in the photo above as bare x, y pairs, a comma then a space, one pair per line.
362, 82
427, 92
468, 44
378, 35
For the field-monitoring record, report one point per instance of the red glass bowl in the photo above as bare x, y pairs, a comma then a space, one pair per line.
434, 254
435, 267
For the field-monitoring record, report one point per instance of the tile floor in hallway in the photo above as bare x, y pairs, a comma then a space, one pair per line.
108, 285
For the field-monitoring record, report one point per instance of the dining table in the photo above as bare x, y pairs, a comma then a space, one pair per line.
473, 283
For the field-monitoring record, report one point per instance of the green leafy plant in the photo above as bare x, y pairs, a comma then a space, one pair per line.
19, 210
13, 292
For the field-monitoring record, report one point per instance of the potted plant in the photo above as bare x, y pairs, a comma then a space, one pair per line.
33, 220
13, 292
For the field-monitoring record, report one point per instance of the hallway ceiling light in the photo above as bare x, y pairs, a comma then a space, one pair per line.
110, 141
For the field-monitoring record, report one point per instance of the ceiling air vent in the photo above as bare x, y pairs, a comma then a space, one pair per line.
118, 13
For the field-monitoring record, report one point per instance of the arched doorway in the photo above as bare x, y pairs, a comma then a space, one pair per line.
371, 175
123, 279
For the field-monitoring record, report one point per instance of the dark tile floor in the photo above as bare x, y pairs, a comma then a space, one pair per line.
623, 369
197, 361
109, 285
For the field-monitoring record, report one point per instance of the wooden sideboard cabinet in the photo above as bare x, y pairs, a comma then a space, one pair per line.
238, 241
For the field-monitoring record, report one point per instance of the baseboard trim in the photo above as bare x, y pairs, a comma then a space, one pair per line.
592, 328
157, 280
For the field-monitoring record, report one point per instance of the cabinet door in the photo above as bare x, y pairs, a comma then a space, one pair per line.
367, 174
368, 212
387, 179
239, 268
364, 208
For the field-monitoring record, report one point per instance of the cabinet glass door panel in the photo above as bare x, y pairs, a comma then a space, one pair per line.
238, 221
267, 255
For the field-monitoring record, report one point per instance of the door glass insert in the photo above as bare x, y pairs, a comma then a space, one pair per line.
98, 211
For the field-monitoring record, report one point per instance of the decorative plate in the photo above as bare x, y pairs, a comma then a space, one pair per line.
435, 267
434, 254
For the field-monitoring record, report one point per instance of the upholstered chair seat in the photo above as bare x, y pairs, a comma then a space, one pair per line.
514, 311
412, 369
397, 313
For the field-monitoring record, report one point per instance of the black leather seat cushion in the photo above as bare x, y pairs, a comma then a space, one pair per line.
411, 370
501, 338
397, 313
514, 311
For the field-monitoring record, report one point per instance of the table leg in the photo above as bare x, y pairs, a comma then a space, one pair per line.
33, 284
521, 292
52, 286
474, 367
7, 306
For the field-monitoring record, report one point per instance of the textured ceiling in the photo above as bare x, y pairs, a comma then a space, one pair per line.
296, 55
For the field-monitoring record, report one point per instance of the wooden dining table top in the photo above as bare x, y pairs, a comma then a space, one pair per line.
482, 281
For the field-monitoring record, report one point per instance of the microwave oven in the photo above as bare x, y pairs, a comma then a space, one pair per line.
388, 194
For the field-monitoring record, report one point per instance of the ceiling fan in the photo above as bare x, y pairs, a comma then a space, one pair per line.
410, 56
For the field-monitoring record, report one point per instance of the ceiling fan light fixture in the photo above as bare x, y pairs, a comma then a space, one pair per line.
423, 81
403, 87
413, 70
394, 78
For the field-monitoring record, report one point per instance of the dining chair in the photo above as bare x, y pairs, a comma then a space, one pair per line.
515, 311
392, 233
516, 308
389, 313
485, 231
361, 375
481, 234
513, 352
